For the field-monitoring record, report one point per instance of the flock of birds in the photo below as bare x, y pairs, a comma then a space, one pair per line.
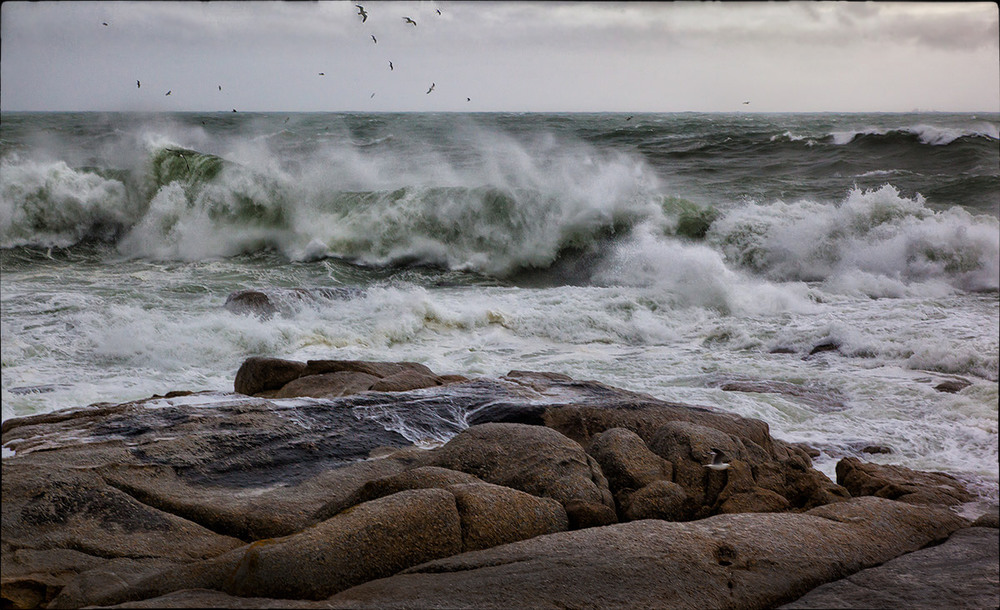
408, 20
364, 17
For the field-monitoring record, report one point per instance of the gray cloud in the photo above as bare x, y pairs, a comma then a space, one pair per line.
513, 55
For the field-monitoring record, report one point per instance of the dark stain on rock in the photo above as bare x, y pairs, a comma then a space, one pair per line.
725, 555
56, 505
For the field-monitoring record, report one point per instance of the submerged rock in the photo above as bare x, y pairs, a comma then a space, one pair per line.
265, 304
953, 386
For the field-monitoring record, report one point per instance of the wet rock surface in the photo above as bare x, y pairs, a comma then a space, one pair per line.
960, 573
531, 489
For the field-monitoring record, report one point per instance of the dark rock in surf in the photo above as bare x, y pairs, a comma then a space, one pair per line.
251, 302
261, 374
265, 304
826, 346
277, 378
825, 400
876, 449
953, 386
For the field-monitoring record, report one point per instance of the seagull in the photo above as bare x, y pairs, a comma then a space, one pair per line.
431, 89
361, 11
390, 65
718, 461
168, 92
408, 20
373, 38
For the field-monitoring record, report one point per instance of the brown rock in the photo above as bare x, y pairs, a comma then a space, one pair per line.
32, 578
659, 500
260, 374
991, 519
405, 381
757, 500
422, 477
726, 561
960, 573
48, 507
376, 369
447, 379
900, 483
327, 385
626, 461
493, 515
106, 579
370, 541
536, 460
689, 447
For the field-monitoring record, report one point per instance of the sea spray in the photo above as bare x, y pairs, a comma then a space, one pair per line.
666, 255
876, 232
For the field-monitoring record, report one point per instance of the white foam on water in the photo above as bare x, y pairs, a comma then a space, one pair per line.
874, 232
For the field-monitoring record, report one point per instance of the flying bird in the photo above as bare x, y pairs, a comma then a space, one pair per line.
372, 95
234, 110
390, 65
408, 20
718, 461
322, 73
137, 85
431, 89
361, 11
220, 87
468, 99
373, 38
629, 119
104, 23
168, 92
439, 11
747, 102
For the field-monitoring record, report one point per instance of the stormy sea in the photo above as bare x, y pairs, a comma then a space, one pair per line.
835, 275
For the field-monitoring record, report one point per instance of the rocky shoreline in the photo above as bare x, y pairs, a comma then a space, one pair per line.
347, 484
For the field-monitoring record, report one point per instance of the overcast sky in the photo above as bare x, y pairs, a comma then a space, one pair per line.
502, 56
